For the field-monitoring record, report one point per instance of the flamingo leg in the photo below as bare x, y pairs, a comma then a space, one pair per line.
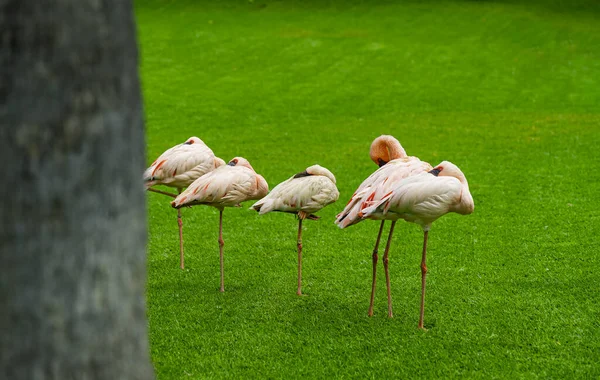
221, 244
162, 192
299, 244
423, 274
387, 272
375, 258
180, 223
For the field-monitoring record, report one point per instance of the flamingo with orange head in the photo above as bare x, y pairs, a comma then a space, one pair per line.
394, 166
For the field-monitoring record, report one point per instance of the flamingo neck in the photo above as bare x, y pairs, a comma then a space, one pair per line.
394, 149
385, 149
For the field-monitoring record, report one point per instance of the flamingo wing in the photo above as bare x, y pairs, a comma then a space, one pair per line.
225, 186
421, 198
378, 185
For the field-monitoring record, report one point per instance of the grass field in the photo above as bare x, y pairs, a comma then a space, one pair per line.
510, 93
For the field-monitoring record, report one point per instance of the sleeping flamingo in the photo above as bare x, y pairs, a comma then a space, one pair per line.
422, 199
395, 165
303, 194
227, 186
178, 167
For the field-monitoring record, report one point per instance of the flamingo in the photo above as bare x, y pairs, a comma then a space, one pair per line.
226, 186
178, 167
394, 165
422, 199
302, 194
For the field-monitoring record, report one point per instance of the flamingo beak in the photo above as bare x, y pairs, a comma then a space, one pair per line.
231, 163
302, 174
435, 172
381, 162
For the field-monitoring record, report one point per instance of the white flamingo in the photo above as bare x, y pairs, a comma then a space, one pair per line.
303, 194
227, 186
395, 165
422, 199
178, 167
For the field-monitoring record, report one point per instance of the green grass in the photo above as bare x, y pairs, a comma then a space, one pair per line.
510, 93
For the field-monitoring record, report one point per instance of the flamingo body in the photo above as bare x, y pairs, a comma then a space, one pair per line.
394, 166
377, 186
182, 164
424, 197
308, 192
227, 186
301, 194
178, 167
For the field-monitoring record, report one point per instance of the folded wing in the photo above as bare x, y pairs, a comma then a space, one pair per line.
227, 186
377, 186
180, 165
308, 194
421, 199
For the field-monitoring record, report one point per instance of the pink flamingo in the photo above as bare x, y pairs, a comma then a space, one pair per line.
178, 167
422, 199
395, 165
303, 194
227, 186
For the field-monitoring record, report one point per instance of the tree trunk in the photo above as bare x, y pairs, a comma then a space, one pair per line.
73, 227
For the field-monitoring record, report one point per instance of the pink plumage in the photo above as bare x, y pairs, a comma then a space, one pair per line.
425, 197
394, 166
422, 199
378, 185
182, 164
227, 186
178, 167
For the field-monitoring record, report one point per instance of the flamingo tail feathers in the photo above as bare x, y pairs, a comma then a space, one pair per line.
264, 206
379, 206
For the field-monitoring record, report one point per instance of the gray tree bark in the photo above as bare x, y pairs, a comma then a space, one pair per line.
72, 206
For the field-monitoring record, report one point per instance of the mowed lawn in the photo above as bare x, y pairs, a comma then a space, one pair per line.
510, 93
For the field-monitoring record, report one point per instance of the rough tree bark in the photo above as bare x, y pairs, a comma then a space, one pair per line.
73, 230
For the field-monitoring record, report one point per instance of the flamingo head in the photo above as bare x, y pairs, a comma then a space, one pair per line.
316, 170
384, 149
193, 140
319, 170
240, 161
448, 169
